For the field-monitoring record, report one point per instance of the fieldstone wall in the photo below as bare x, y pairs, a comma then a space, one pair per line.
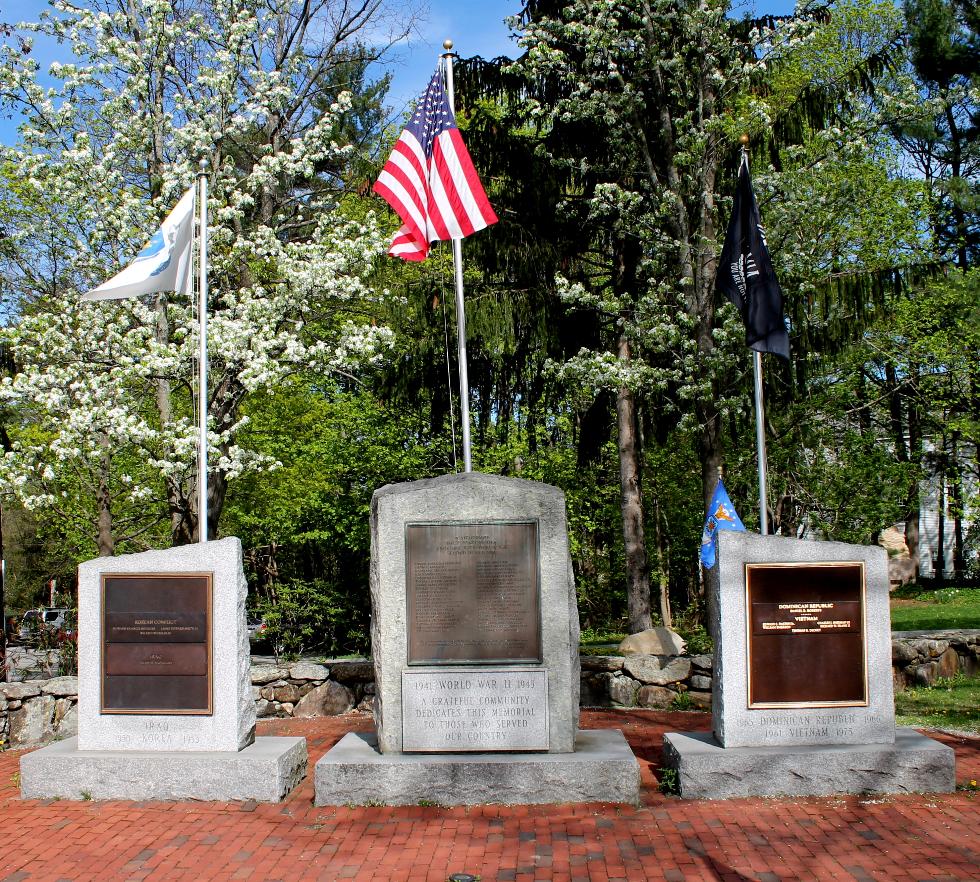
307, 689
653, 681
35, 712
920, 658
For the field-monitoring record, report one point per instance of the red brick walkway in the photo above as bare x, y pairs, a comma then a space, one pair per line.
905, 839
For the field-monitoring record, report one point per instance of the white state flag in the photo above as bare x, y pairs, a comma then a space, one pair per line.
164, 264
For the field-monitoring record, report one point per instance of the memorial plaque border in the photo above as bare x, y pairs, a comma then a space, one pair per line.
790, 705
183, 712
437, 662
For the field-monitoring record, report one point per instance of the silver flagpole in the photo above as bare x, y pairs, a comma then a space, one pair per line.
760, 413
464, 381
202, 464
760, 442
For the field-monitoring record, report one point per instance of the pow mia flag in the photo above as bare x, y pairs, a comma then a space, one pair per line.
745, 273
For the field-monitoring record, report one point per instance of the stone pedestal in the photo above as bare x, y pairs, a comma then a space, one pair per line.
706, 770
601, 769
475, 642
802, 698
169, 626
265, 771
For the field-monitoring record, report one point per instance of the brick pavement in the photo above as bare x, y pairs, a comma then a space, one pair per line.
905, 839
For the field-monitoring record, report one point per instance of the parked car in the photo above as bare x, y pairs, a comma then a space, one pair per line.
48, 619
256, 628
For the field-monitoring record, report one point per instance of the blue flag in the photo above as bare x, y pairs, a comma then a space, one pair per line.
721, 516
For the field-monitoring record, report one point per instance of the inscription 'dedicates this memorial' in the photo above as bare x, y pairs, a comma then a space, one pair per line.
806, 635
481, 710
472, 593
156, 644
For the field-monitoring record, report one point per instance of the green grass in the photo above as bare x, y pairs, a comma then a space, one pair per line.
952, 703
933, 610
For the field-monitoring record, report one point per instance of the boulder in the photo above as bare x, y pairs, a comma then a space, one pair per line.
32, 723
264, 708
286, 694
327, 700
61, 687
698, 681
622, 691
702, 662
653, 641
648, 669
66, 721
602, 662
700, 699
308, 671
353, 670
20, 691
262, 674
655, 696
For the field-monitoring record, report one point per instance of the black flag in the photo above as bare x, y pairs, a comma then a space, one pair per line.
745, 273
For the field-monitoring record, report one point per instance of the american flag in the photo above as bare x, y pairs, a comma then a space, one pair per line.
430, 182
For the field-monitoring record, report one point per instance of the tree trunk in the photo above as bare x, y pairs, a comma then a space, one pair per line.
663, 566
103, 498
637, 571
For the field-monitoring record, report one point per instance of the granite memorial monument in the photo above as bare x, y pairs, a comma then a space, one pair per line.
475, 643
165, 700
802, 702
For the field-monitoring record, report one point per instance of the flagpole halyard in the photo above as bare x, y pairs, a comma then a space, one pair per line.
464, 383
202, 465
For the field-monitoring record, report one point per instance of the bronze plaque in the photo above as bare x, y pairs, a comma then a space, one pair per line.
473, 593
156, 643
145, 659
806, 643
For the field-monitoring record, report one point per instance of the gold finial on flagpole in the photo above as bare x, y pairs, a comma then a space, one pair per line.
743, 139
447, 44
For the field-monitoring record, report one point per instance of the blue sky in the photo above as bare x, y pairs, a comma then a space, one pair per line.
476, 27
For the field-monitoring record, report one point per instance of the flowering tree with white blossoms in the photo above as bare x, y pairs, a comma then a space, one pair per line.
259, 89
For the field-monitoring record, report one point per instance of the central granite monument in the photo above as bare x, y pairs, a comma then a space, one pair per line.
475, 643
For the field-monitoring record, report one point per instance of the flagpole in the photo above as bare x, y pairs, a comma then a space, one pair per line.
760, 413
760, 442
202, 464
464, 382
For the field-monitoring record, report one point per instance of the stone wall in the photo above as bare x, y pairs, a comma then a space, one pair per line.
37, 711
920, 658
306, 689
34, 712
653, 681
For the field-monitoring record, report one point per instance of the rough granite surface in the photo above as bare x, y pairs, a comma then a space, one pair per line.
472, 497
705, 770
734, 723
602, 769
265, 771
231, 726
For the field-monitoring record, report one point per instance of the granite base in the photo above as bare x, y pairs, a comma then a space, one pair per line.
602, 769
705, 770
265, 771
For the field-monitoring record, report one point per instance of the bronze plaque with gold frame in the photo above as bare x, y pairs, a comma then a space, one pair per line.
473, 593
156, 643
806, 634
